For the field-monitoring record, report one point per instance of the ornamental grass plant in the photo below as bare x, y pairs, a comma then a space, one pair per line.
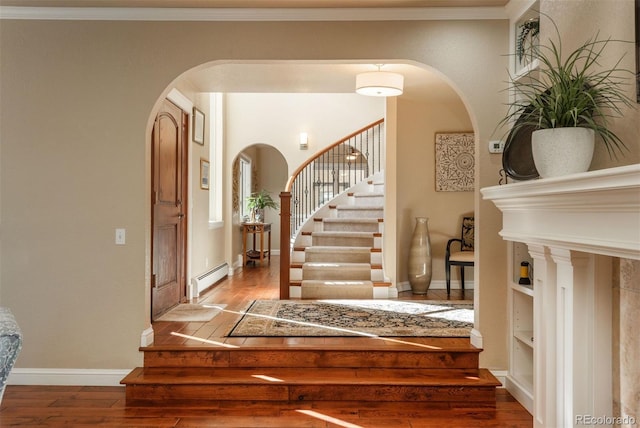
572, 92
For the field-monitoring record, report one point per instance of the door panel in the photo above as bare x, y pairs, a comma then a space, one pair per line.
169, 220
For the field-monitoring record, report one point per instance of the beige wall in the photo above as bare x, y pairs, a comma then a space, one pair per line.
615, 19
78, 100
418, 122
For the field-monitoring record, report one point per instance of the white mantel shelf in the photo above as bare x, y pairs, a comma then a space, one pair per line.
595, 212
572, 226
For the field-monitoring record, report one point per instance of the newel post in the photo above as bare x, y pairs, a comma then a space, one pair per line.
285, 243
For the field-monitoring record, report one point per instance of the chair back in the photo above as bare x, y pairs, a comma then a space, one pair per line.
467, 234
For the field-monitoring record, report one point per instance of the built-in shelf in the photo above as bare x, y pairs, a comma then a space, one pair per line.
525, 336
525, 289
571, 299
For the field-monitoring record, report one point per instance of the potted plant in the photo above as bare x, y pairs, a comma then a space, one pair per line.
257, 202
570, 99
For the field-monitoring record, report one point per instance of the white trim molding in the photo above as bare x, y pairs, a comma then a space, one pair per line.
249, 14
595, 212
147, 337
573, 226
84, 377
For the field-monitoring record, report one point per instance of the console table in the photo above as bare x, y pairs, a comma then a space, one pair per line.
253, 254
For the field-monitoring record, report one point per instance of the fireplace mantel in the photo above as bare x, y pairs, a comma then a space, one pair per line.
572, 227
594, 212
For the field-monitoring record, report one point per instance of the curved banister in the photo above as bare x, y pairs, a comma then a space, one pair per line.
323, 176
328, 149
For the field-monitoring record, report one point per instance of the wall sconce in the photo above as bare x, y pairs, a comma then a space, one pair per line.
304, 141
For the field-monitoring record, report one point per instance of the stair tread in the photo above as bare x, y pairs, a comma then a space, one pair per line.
427, 344
337, 265
350, 220
343, 233
336, 282
319, 376
337, 248
360, 207
368, 194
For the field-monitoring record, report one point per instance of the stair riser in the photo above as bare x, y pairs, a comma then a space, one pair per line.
312, 358
305, 393
347, 226
336, 274
342, 241
341, 256
359, 213
300, 257
368, 200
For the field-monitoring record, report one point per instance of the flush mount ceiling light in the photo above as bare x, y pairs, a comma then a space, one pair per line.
379, 83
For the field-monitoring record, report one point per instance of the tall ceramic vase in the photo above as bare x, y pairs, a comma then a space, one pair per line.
420, 257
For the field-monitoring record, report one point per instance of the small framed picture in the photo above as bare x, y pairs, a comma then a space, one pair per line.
198, 126
204, 174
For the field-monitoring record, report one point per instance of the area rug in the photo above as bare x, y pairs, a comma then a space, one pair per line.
190, 312
338, 318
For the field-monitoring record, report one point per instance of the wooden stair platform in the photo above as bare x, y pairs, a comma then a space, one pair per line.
312, 384
417, 370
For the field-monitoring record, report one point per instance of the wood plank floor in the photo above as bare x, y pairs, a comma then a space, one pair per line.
255, 283
80, 406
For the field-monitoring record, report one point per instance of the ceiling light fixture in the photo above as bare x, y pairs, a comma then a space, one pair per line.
379, 83
352, 155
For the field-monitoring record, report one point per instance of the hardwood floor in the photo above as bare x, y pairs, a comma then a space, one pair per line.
78, 406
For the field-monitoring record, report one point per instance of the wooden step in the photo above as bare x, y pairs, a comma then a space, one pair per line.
311, 384
433, 353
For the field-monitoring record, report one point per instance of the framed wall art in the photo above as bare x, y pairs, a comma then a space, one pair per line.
455, 162
198, 126
204, 174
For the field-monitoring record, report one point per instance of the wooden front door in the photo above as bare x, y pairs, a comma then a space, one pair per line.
169, 179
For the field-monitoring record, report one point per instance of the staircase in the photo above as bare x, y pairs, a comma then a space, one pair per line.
437, 371
338, 253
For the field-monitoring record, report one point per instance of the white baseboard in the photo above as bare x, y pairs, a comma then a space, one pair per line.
501, 375
147, 337
476, 339
439, 284
81, 377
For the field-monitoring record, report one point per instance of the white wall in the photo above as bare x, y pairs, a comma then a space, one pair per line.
277, 120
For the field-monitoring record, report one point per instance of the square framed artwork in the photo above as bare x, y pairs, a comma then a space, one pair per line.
455, 162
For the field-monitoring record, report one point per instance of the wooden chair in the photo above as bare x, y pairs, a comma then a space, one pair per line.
462, 258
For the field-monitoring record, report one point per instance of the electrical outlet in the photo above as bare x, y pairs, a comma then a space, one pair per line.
120, 236
496, 146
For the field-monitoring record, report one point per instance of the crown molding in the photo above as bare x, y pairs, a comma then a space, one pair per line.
242, 14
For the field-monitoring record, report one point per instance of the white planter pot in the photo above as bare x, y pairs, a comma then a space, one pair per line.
562, 151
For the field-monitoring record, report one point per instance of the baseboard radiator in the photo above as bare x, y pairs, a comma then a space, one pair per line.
210, 277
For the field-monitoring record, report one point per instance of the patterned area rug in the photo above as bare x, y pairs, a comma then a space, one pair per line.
189, 312
388, 318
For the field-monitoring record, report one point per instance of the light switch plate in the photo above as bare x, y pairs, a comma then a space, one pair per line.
120, 236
